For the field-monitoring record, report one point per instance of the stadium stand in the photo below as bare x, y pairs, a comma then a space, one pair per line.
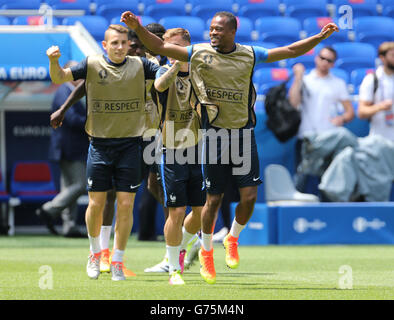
302, 9
387, 8
70, 5
4, 21
96, 25
308, 59
281, 30
32, 182
360, 8
21, 4
194, 25
374, 30
313, 25
112, 10
244, 30
33, 21
158, 9
265, 78
254, 9
353, 55
206, 9
144, 20
357, 76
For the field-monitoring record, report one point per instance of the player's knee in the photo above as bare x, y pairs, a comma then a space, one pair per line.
249, 198
214, 201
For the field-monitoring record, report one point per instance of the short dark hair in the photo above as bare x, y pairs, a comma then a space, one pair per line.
231, 19
132, 35
332, 50
156, 28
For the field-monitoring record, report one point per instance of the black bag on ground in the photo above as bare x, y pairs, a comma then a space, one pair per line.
282, 118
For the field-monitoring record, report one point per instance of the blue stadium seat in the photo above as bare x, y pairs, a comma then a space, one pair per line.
111, 10
374, 30
4, 196
357, 76
360, 8
70, 5
194, 25
388, 8
254, 9
32, 182
144, 20
22, 4
308, 59
4, 20
359, 127
313, 25
206, 9
244, 29
302, 9
96, 25
353, 55
33, 21
158, 9
265, 78
280, 30
340, 73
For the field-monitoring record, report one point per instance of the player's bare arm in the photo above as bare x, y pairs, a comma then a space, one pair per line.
301, 47
57, 117
165, 80
57, 73
151, 41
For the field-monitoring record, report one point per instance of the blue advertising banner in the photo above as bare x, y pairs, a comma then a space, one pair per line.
336, 223
261, 228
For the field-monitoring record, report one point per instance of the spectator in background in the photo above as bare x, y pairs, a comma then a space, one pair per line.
376, 95
322, 99
68, 147
366, 171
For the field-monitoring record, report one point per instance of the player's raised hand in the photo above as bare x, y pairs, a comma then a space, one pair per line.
328, 30
130, 20
53, 53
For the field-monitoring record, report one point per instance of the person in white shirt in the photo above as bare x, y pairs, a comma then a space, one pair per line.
322, 99
376, 98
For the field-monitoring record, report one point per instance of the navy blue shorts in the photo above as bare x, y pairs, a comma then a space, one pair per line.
232, 156
182, 183
116, 164
148, 150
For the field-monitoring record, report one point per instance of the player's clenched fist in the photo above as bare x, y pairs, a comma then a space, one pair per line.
328, 29
130, 20
53, 53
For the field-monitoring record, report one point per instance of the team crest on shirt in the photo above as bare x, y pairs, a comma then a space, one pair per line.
208, 58
103, 74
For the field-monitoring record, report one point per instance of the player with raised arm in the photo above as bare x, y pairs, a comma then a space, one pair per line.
115, 90
221, 74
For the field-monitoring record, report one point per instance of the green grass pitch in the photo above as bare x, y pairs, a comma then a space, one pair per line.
53, 268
